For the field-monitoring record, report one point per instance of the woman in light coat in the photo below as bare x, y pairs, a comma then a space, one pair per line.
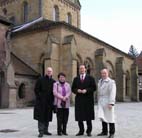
62, 92
106, 102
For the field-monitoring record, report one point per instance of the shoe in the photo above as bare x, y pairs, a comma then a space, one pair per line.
59, 134
89, 134
40, 135
64, 133
102, 134
111, 136
79, 134
47, 133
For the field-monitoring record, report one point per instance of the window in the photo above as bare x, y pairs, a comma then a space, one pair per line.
4, 11
25, 11
21, 91
56, 13
40, 8
69, 18
89, 66
140, 82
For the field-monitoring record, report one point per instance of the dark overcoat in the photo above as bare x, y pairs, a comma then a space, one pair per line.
44, 99
84, 103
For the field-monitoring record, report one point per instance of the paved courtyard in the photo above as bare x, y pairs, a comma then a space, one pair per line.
128, 125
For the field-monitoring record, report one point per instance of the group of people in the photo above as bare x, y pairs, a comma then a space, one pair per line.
54, 96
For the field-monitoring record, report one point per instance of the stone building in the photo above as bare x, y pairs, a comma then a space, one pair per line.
47, 33
15, 75
4, 59
139, 63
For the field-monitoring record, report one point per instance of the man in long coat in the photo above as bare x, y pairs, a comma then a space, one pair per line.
83, 87
44, 102
106, 102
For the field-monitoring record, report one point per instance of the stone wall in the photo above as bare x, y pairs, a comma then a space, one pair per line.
64, 8
15, 9
38, 8
63, 48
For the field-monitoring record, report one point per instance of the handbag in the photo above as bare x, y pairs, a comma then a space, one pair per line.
63, 104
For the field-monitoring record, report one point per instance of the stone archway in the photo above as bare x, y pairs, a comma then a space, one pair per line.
1, 86
110, 67
42, 60
127, 84
79, 62
89, 66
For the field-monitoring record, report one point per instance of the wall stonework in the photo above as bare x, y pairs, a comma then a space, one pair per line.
61, 47
35, 46
38, 8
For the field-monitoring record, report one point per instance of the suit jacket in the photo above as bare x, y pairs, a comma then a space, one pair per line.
84, 103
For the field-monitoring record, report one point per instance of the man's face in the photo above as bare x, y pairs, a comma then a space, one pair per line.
49, 72
104, 74
82, 69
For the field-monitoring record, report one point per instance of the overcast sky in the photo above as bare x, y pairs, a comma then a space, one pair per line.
117, 22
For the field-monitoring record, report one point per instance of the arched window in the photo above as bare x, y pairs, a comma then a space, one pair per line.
4, 11
89, 66
56, 13
110, 68
21, 91
69, 18
127, 83
79, 62
2, 75
25, 11
40, 8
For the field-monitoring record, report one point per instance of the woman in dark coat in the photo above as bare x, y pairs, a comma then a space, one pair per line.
84, 86
44, 102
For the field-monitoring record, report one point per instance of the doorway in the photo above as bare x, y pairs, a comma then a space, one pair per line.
1, 86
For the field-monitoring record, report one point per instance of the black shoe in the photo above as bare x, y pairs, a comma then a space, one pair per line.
64, 133
79, 134
40, 135
102, 134
111, 136
89, 134
59, 134
47, 133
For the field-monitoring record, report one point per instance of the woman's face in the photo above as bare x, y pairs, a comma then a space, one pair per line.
62, 79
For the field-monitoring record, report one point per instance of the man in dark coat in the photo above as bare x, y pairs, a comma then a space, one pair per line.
44, 102
84, 86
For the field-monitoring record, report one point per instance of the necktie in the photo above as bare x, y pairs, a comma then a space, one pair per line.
82, 78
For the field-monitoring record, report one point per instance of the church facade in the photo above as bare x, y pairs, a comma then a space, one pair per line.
47, 33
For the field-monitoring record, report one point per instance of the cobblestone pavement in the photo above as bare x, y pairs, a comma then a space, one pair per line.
128, 125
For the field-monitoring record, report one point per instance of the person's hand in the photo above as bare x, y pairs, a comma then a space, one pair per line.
79, 91
110, 106
84, 91
64, 99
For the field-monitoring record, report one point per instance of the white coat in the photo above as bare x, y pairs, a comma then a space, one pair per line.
106, 96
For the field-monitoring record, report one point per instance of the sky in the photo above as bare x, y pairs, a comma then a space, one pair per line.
117, 22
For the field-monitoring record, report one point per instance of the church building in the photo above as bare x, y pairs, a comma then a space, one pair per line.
48, 33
